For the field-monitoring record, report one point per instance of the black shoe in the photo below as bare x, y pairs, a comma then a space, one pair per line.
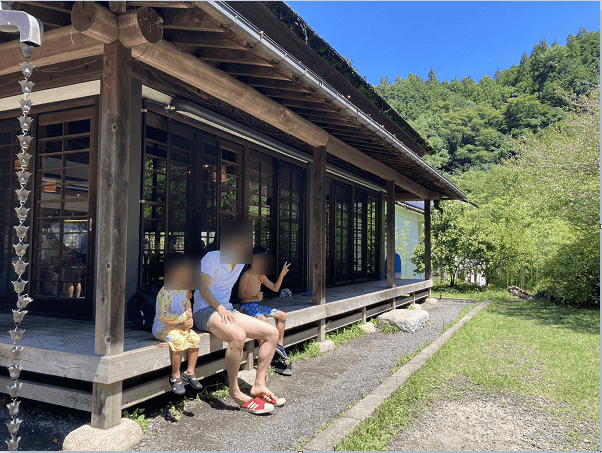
192, 380
281, 352
177, 386
282, 367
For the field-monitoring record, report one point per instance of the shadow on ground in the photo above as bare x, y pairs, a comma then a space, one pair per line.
541, 311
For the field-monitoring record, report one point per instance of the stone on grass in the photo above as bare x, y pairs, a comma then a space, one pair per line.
326, 345
368, 327
407, 320
118, 438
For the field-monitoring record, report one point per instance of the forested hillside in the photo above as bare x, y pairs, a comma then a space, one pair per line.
469, 123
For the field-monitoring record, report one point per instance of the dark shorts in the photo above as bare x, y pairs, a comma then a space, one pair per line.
201, 318
255, 310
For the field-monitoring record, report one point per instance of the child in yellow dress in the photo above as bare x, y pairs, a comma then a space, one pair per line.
173, 324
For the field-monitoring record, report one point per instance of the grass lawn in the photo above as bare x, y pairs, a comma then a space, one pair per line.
533, 348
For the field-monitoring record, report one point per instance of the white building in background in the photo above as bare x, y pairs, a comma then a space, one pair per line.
409, 231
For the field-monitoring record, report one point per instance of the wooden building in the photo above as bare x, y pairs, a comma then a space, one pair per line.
152, 122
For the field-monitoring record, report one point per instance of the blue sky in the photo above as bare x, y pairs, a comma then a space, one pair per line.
456, 39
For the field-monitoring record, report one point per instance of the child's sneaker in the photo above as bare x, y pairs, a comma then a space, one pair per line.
282, 367
280, 350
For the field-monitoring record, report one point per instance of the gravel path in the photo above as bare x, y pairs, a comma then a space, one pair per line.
502, 422
317, 392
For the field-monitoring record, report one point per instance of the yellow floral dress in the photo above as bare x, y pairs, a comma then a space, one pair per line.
170, 320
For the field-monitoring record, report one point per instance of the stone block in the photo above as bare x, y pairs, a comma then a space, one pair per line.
118, 438
326, 345
368, 327
407, 320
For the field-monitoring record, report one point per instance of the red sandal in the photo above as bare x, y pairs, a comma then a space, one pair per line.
277, 402
257, 406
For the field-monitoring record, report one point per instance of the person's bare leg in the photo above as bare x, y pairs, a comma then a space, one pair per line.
265, 319
193, 354
280, 316
235, 337
78, 289
176, 361
260, 330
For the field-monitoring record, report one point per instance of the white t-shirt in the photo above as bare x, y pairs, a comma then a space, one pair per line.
222, 280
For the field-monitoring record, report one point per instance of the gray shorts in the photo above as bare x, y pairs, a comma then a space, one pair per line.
201, 317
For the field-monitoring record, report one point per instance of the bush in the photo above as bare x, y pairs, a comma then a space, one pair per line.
572, 275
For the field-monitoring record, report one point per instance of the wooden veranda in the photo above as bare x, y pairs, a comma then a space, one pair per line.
154, 121
64, 348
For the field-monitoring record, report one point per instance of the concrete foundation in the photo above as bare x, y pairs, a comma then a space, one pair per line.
118, 438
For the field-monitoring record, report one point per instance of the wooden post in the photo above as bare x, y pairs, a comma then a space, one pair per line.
364, 315
112, 210
390, 234
250, 348
318, 228
427, 241
381, 237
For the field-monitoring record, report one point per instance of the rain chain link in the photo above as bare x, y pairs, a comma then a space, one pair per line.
20, 249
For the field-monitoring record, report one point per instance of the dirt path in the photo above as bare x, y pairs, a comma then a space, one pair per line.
474, 420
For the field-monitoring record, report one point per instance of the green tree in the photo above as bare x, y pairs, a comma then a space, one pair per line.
458, 243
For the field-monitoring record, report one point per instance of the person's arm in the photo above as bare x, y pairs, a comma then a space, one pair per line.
276, 286
166, 316
208, 296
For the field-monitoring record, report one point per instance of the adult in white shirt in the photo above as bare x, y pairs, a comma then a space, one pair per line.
214, 313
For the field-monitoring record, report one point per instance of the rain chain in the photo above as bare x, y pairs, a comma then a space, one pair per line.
20, 249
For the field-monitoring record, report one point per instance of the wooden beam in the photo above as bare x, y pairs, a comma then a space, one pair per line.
51, 16
427, 240
60, 45
338, 148
118, 7
170, 59
140, 27
311, 104
164, 4
63, 7
406, 197
230, 56
60, 396
95, 21
318, 226
226, 40
391, 235
106, 405
194, 20
256, 71
334, 118
263, 83
294, 95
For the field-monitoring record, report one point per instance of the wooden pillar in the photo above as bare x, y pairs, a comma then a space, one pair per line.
250, 348
381, 237
390, 234
318, 228
111, 234
427, 240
